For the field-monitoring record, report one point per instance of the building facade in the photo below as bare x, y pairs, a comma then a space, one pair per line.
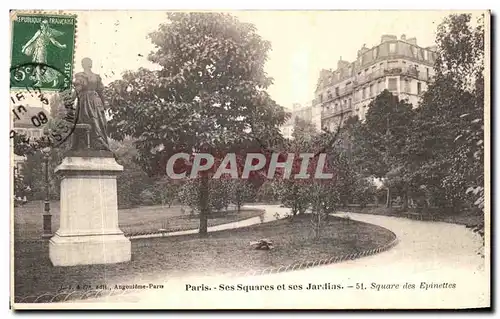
306, 112
398, 65
24, 125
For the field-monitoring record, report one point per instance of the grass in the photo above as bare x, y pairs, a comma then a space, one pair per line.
467, 218
28, 219
156, 259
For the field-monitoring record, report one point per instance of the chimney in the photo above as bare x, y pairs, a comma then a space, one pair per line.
412, 41
324, 74
388, 37
341, 64
403, 37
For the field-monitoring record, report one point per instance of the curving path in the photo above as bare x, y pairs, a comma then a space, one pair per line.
431, 252
268, 216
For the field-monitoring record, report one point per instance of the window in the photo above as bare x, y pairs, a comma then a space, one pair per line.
366, 70
329, 94
428, 73
364, 93
381, 86
372, 91
419, 88
393, 84
374, 52
337, 91
392, 47
407, 86
321, 98
350, 102
414, 51
426, 56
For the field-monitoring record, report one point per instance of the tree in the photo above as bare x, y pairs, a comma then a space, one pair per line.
447, 146
165, 191
32, 174
265, 192
208, 95
364, 191
295, 193
321, 196
132, 181
219, 196
241, 192
381, 138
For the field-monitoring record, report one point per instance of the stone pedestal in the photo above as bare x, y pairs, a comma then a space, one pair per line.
88, 232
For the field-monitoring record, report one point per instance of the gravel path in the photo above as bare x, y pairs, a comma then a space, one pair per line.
427, 252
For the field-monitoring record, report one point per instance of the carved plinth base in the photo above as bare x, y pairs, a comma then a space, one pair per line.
88, 232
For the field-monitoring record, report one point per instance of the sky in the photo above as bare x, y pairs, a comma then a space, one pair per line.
303, 42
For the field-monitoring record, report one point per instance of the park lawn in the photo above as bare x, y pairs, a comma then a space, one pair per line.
224, 252
146, 219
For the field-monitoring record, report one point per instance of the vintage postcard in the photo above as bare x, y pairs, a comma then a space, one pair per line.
250, 159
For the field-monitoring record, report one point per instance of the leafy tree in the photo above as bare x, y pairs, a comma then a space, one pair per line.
189, 194
133, 180
363, 191
295, 193
32, 174
165, 192
209, 94
265, 192
21, 190
219, 198
241, 192
447, 146
381, 138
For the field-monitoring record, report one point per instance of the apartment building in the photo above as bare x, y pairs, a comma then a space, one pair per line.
27, 126
307, 112
398, 65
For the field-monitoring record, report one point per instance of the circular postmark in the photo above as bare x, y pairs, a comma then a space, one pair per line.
42, 118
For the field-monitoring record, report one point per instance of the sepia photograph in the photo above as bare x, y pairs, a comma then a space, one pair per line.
204, 160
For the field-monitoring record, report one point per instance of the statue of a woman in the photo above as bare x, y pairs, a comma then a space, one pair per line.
90, 105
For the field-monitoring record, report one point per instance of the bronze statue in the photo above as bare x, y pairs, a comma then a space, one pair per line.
90, 106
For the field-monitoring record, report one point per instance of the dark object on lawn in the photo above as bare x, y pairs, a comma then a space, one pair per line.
262, 244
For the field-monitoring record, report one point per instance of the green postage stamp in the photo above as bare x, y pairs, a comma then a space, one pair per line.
42, 51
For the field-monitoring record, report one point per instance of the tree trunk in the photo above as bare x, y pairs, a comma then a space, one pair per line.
204, 205
239, 206
405, 199
388, 202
